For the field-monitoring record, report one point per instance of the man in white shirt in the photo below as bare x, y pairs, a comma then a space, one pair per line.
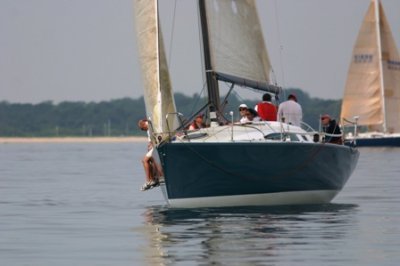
290, 111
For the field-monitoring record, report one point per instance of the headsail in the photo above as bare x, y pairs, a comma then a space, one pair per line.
237, 48
158, 95
373, 84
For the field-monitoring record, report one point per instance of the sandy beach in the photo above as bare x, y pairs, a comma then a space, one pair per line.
5, 140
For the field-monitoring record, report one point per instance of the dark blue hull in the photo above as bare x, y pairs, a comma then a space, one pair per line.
196, 170
378, 142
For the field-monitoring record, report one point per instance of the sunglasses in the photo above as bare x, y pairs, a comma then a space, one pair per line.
242, 109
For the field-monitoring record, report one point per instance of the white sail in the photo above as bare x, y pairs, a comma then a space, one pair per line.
373, 84
236, 41
158, 95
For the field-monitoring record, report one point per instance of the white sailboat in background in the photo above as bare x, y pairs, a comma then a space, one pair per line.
229, 164
372, 93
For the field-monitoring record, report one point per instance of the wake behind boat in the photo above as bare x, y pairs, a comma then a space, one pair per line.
227, 163
372, 93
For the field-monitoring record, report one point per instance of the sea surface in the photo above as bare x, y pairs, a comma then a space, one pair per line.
80, 204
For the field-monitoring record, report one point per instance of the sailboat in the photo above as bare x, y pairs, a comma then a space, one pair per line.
226, 163
372, 94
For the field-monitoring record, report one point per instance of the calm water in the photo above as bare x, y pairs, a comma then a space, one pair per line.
80, 204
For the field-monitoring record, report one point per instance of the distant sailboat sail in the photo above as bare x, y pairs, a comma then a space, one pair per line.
373, 85
158, 95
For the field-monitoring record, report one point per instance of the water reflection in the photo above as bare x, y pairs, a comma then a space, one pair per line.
245, 235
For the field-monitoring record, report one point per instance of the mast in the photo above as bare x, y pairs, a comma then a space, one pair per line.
379, 42
212, 83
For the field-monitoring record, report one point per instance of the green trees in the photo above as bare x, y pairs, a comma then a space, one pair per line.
118, 117
112, 118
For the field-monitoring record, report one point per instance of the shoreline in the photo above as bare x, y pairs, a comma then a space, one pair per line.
7, 140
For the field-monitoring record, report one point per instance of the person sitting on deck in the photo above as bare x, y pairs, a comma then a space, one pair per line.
266, 109
252, 116
197, 123
243, 110
151, 168
330, 126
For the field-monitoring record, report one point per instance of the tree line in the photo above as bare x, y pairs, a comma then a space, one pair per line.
119, 117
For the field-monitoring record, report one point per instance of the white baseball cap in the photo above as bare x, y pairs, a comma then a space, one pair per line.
243, 105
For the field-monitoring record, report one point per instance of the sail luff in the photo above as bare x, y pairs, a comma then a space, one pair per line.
379, 43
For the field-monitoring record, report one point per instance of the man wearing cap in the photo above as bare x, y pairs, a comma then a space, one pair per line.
290, 111
330, 126
243, 113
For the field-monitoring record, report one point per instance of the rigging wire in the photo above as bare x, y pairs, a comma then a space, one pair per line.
198, 98
280, 44
172, 35
170, 54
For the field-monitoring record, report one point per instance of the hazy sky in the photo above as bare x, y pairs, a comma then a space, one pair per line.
85, 49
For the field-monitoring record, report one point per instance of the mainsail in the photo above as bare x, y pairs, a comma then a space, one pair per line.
236, 43
158, 95
373, 85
